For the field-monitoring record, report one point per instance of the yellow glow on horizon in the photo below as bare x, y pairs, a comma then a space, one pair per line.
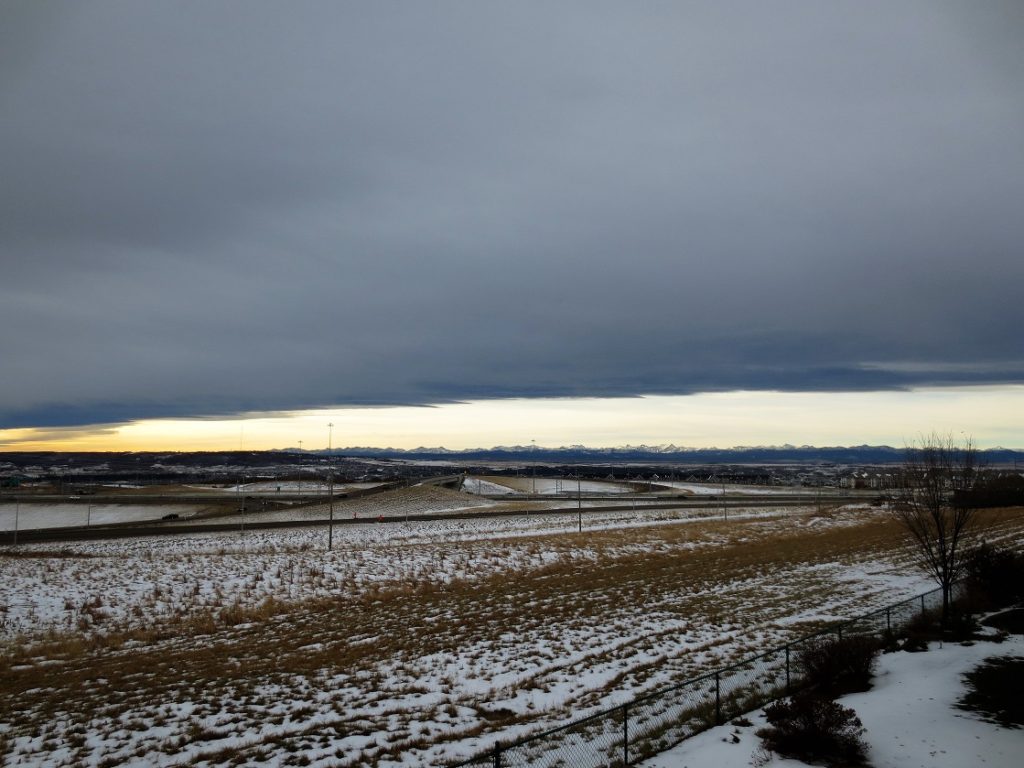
992, 415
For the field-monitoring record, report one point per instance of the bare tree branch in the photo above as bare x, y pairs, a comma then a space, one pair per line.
932, 505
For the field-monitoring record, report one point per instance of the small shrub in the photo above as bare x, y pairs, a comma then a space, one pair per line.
814, 729
911, 644
961, 625
835, 666
918, 631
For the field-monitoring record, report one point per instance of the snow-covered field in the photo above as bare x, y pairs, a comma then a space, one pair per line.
499, 484
27, 516
909, 715
408, 643
716, 489
47, 593
311, 487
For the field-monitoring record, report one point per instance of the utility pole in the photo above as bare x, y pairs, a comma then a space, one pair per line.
330, 434
300, 446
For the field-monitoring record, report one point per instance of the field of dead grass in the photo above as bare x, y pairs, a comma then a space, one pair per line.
424, 645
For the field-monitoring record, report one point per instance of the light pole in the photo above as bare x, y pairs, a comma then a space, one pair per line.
533, 464
579, 500
88, 517
725, 509
330, 497
300, 446
330, 435
241, 522
17, 511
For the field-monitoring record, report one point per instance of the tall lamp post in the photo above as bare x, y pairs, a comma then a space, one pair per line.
330, 435
241, 521
579, 500
533, 465
17, 511
725, 509
330, 502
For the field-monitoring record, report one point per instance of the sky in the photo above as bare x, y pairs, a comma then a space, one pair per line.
467, 224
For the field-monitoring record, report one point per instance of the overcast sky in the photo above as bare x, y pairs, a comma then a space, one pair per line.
209, 208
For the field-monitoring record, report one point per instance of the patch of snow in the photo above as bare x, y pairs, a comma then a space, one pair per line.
909, 716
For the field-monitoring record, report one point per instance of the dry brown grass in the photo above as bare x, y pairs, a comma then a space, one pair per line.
729, 579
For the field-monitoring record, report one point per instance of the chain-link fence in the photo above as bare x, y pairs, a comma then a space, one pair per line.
659, 720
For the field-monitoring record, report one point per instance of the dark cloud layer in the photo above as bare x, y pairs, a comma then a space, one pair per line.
214, 208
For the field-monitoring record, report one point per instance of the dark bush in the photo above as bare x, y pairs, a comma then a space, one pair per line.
836, 666
962, 625
995, 577
814, 729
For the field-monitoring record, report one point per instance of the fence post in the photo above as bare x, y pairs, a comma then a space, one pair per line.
787, 670
718, 698
492, 757
625, 734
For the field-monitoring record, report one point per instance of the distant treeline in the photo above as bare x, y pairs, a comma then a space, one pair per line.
135, 464
996, 489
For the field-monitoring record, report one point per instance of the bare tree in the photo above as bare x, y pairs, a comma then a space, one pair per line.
934, 507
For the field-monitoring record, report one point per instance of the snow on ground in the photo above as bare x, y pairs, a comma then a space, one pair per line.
417, 500
249, 566
312, 487
478, 485
540, 485
36, 515
419, 653
909, 715
716, 489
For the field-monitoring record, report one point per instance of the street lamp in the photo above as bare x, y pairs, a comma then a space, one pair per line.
17, 511
88, 517
533, 464
579, 500
330, 434
330, 497
241, 521
725, 509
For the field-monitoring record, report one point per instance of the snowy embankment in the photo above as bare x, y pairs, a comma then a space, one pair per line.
29, 516
909, 715
409, 644
166, 576
289, 487
717, 489
499, 484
